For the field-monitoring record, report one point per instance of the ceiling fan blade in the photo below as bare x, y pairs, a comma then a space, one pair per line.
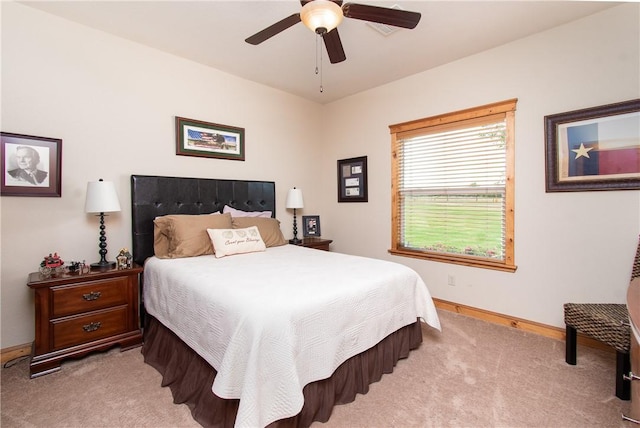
382, 15
334, 46
274, 29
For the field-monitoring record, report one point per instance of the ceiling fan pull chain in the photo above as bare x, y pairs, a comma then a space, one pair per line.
321, 87
317, 41
319, 59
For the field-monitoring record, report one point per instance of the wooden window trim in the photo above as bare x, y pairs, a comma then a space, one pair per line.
503, 109
457, 116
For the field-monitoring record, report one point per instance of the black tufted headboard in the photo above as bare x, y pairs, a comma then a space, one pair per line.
153, 196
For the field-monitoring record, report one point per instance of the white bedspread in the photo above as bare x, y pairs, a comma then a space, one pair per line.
272, 322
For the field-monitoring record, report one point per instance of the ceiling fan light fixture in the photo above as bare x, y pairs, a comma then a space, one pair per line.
321, 16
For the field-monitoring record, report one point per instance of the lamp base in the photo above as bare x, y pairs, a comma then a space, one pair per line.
295, 241
103, 265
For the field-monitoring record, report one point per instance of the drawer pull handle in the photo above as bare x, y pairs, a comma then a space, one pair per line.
631, 376
91, 326
94, 295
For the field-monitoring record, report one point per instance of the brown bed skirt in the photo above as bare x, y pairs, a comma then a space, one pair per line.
190, 377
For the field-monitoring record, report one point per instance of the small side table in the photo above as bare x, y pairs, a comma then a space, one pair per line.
315, 242
80, 313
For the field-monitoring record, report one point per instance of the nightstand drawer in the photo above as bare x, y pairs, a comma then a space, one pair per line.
90, 296
86, 328
316, 242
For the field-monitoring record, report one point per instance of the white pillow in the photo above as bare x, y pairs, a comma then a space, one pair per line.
237, 213
236, 241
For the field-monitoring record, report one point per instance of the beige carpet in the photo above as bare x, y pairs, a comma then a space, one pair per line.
473, 374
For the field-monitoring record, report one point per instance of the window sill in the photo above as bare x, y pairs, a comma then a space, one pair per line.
455, 259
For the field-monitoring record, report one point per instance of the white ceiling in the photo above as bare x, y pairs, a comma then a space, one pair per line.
213, 33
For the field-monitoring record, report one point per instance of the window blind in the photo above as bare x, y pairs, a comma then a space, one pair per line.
451, 186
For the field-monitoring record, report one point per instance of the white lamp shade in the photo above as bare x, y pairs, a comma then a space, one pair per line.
321, 14
294, 198
101, 197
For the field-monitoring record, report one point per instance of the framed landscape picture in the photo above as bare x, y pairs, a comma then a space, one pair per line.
31, 166
594, 149
210, 140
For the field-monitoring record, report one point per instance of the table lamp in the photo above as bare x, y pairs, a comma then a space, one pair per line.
295, 201
102, 198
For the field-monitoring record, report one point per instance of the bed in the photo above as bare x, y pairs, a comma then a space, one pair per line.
241, 349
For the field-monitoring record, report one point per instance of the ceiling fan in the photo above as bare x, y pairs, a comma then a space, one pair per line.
324, 16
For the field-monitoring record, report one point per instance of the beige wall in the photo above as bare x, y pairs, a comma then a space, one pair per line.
113, 103
575, 246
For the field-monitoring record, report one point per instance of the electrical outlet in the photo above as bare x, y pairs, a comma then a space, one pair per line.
451, 280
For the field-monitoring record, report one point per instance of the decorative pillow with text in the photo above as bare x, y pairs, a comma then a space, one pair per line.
236, 241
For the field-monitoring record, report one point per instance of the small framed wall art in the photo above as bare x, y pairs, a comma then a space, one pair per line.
310, 225
596, 148
31, 166
352, 180
209, 140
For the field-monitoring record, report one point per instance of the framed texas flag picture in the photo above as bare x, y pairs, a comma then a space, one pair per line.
594, 149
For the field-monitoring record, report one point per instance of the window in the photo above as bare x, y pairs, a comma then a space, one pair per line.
453, 187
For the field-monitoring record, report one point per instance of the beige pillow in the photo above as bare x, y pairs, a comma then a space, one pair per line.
236, 241
238, 213
177, 236
160, 237
269, 229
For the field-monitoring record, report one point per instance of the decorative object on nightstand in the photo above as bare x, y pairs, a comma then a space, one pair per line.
80, 268
124, 259
52, 265
310, 225
102, 198
295, 201
77, 314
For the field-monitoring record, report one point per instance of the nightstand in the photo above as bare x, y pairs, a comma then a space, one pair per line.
80, 313
317, 243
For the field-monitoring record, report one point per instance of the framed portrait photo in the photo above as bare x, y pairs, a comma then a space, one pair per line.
31, 166
596, 148
352, 180
310, 225
209, 140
